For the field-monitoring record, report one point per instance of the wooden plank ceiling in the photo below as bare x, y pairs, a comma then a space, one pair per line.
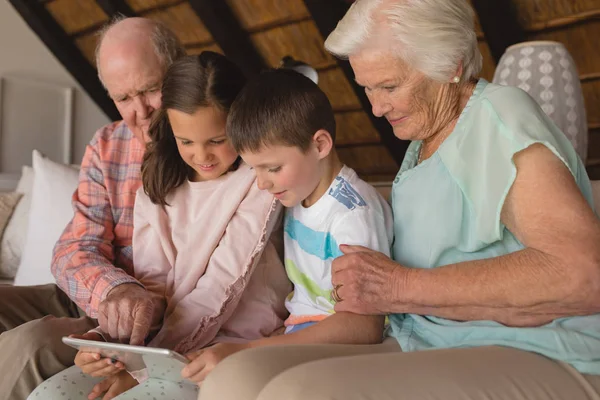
259, 33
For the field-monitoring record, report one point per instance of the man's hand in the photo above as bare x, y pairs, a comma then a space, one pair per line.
92, 363
113, 386
127, 313
205, 360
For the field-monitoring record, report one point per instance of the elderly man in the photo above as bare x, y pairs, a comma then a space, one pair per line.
93, 259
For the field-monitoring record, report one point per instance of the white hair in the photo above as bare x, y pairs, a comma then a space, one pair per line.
167, 46
432, 36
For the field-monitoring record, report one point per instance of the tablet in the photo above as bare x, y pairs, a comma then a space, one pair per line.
162, 364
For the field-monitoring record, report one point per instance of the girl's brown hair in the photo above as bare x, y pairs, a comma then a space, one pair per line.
205, 80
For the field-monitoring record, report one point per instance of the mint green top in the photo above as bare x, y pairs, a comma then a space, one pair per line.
447, 210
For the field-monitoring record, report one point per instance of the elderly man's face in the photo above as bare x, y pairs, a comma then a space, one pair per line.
400, 94
133, 81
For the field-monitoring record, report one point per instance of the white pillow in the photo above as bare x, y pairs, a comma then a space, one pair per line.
51, 211
15, 233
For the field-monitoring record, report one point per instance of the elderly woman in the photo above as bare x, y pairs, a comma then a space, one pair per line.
496, 266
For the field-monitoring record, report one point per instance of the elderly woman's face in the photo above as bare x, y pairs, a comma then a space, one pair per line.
400, 94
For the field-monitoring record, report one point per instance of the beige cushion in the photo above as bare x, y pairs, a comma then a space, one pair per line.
13, 240
8, 202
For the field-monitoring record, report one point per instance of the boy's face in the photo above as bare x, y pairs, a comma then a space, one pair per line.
286, 172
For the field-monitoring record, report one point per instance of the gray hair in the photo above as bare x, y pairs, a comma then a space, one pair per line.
432, 36
167, 46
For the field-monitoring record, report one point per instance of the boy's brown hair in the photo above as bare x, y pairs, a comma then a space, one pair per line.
279, 107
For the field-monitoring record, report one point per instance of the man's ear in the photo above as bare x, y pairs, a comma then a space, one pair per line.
323, 143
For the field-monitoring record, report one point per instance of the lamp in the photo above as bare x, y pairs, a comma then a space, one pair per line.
288, 62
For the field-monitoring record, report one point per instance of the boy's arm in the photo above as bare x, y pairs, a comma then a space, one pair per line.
339, 328
367, 228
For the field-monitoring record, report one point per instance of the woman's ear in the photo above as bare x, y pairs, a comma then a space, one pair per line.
323, 143
458, 74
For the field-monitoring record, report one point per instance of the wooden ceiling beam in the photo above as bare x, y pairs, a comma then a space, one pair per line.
562, 22
501, 28
160, 7
229, 34
113, 8
58, 42
326, 15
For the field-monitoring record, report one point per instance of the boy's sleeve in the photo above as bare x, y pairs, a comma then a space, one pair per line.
364, 227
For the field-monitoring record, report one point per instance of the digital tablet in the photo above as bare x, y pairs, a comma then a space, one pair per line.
161, 363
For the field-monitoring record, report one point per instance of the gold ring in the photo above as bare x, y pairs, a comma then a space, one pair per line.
334, 294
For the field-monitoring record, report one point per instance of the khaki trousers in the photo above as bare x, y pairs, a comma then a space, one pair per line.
33, 320
382, 372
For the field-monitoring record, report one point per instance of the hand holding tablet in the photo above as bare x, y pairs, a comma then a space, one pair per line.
161, 363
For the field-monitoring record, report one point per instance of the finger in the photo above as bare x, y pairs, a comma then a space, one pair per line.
92, 336
92, 368
106, 370
349, 249
83, 358
193, 355
103, 317
141, 324
193, 368
342, 306
124, 326
86, 336
200, 376
113, 321
112, 392
100, 388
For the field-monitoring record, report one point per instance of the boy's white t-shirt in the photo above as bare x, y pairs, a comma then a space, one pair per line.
350, 212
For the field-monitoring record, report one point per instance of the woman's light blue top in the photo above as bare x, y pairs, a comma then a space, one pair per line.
447, 211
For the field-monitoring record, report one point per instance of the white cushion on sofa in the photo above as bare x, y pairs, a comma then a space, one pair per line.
15, 233
50, 212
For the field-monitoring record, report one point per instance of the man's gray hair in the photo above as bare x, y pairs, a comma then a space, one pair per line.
432, 36
166, 45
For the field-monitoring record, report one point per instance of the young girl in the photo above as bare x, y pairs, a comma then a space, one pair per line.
202, 230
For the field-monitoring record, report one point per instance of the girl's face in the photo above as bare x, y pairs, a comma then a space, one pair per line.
202, 142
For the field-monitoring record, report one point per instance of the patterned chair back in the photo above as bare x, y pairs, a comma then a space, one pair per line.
548, 73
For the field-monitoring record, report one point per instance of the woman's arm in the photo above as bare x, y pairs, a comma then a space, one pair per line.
556, 275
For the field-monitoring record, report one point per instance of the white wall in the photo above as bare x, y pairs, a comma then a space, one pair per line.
22, 53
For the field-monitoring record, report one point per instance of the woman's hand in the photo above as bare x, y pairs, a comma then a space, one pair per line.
205, 360
366, 281
113, 386
92, 363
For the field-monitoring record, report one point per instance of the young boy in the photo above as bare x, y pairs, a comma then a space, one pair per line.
283, 126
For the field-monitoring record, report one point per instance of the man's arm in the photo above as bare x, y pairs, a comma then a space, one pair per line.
83, 257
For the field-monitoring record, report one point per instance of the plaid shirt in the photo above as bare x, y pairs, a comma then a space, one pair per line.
94, 253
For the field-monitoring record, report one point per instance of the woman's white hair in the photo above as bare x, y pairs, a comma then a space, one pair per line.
432, 36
